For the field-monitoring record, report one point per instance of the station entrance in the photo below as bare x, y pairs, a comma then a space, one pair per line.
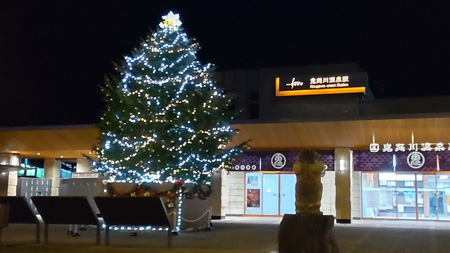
271, 194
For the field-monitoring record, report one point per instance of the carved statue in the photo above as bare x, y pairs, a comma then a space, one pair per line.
308, 189
308, 230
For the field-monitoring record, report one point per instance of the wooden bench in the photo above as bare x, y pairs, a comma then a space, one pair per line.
134, 211
66, 210
21, 212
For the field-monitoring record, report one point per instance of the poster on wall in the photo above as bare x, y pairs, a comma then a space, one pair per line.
253, 184
253, 198
252, 181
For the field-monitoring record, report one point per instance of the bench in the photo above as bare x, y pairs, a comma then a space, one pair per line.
66, 210
21, 212
133, 211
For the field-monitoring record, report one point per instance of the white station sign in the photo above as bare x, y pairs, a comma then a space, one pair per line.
402, 147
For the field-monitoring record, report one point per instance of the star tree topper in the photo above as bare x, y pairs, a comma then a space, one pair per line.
171, 21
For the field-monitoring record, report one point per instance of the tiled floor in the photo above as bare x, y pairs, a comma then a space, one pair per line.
241, 234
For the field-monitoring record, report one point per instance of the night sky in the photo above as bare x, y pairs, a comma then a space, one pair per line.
54, 54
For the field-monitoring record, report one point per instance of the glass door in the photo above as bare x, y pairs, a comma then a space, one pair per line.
379, 193
270, 194
253, 184
406, 196
426, 197
287, 193
443, 197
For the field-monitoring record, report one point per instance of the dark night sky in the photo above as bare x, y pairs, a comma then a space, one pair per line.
54, 54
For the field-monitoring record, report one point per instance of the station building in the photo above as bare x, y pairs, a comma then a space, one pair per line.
385, 158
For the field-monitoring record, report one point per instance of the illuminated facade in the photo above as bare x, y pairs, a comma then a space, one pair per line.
375, 167
367, 144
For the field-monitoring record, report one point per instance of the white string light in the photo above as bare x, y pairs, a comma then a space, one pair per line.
164, 116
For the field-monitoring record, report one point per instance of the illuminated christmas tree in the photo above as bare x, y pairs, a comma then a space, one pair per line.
165, 119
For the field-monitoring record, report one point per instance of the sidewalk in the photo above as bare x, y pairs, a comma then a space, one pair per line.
238, 234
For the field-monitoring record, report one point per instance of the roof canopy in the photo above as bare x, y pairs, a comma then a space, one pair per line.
73, 141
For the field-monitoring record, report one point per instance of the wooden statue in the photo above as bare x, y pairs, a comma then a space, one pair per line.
308, 189
307, 231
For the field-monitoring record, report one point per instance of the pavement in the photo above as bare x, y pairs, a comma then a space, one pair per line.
237, 234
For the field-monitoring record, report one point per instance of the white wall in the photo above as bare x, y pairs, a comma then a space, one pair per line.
12, 183
83, 165
356, 195
328, 206
236, 184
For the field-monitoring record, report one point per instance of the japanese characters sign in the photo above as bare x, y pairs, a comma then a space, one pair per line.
402, 147
320, 84
428, 161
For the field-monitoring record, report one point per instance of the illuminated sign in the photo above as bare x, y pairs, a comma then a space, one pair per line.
278, 161
415, 160
294, 83
401, 147
320, 84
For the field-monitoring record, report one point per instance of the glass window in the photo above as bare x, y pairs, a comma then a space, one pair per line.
426, 197
378, 191
406, 196
443, 196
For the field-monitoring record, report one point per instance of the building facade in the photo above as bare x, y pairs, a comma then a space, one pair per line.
331, 109
386, 158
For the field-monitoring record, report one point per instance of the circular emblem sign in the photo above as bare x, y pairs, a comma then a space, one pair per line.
415, 160
278, 161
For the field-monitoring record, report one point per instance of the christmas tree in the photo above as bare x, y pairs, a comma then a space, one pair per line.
165, 119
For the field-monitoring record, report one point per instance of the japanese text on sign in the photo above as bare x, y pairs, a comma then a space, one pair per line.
402, 147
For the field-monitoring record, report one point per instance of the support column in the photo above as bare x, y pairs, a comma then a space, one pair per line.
224, 195
12, 183
83, 165
3, 184
52, 171
343, 170
216, 196
9, 179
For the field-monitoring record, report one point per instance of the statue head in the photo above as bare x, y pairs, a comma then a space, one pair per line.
308, 156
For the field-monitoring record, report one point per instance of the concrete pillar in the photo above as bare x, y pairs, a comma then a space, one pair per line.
52, 171
343, 165
4, 184
8, 182
10, 159
224, 196
216, 196
12, 183
83, 165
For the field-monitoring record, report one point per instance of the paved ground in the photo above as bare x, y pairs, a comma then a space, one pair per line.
239, 234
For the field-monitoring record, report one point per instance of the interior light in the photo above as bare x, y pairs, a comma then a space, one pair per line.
342, 165
394, 162
38, 153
